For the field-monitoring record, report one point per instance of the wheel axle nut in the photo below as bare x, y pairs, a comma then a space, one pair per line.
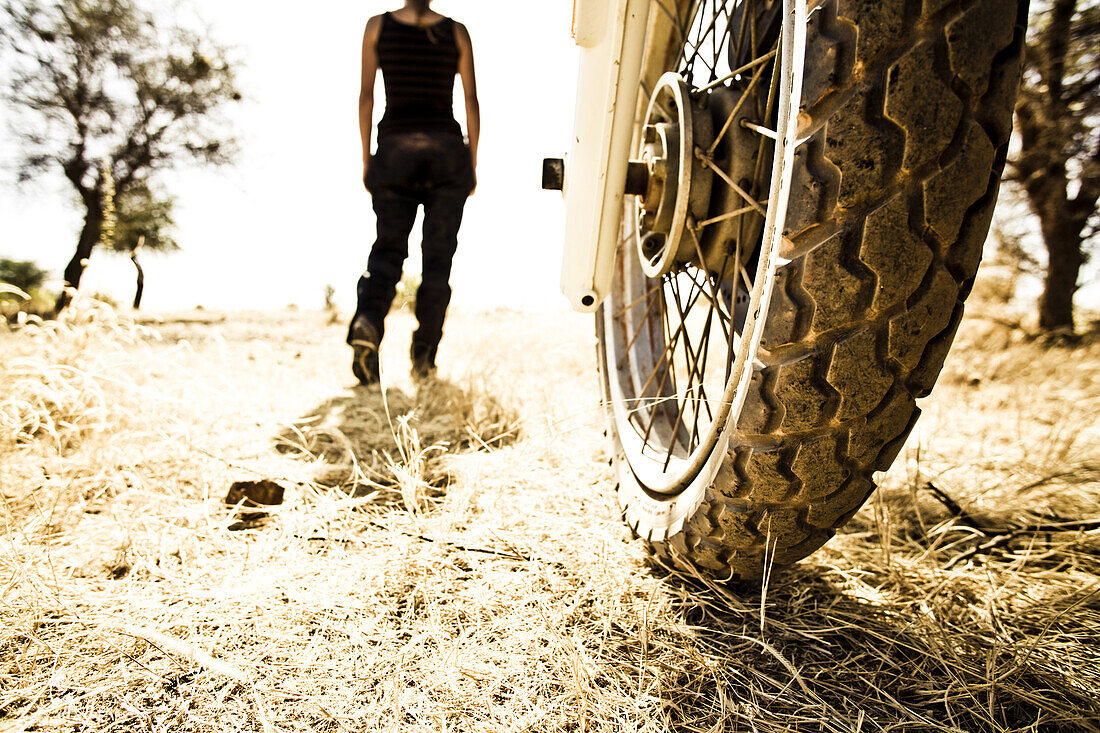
637, 178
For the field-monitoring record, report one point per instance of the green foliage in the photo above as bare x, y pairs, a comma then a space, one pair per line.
144, 218
110, 218
104, 299
23, 289
23, 274
330, 305
105, 79
405, 296
90, 81
137, 218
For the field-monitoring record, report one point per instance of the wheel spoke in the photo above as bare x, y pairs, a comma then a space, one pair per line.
728, 215
739, 70
674, 18
704, 350
709, 297
667, 372
709, 163
676, 395
737, 108
773, 93
679, 403
707, 33
692, 393
671, 338
700, 367
723, 42
653, 411
641, 324
669, 116
766, 132
743, 28
619, 313
679, 336
688, 24
713, 297
654, 404
694, 360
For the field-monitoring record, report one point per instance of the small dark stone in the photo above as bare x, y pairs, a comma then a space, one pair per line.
250, 495
254, 493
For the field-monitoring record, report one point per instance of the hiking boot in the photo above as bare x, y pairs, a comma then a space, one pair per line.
364, 349
423, 365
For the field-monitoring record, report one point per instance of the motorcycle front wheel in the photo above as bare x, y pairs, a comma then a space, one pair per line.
819, 181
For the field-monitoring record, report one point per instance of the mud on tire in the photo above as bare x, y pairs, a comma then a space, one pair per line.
910, 107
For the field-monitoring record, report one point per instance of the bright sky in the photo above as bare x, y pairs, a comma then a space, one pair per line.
291, 216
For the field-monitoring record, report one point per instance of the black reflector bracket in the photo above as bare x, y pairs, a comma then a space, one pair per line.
553, 174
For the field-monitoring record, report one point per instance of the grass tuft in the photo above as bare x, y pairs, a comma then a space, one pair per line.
63, 379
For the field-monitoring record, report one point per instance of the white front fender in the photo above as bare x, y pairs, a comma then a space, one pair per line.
611, 35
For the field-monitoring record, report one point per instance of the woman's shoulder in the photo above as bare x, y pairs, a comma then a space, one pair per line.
461, 34
374, 28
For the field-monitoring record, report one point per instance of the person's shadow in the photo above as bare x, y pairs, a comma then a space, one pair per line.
392, 444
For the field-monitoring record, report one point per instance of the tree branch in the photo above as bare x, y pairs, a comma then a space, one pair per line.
1084, 203
1057, 44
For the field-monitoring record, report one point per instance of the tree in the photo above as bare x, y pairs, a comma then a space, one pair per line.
137, 219
109, 91
23, 274
1058, 163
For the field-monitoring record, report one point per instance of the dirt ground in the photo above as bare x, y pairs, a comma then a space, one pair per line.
450, 557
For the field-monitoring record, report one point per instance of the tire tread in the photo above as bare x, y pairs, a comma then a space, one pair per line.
901, 192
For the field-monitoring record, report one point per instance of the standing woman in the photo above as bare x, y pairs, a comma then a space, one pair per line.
421, 160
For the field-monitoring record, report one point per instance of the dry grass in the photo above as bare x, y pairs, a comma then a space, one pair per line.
61, 377
451, 558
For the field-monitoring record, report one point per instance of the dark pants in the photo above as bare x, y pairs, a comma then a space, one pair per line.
411, 170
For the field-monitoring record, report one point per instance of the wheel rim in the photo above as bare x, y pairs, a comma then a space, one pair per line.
683, 323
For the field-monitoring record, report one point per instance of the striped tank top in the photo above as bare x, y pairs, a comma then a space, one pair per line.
418, 70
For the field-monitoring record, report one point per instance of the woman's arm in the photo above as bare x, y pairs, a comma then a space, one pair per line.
469, 88
366, 87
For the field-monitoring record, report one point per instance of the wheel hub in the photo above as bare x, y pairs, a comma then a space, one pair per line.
677, 188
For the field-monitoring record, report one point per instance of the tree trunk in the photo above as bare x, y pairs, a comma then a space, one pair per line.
1062, 237
140, 273
89, 236
1047, 192
1059, 154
